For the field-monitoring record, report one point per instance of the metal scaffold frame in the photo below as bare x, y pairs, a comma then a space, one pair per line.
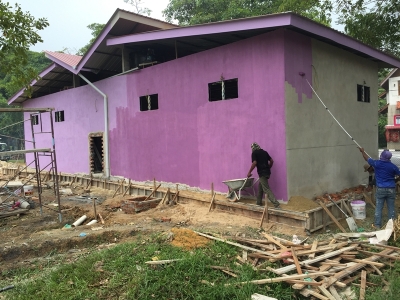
37, 153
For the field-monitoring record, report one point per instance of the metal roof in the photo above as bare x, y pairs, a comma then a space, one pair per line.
99, 61
136, 33
198, 38
52, 80
71, 60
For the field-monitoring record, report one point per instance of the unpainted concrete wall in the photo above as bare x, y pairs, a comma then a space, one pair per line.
320, 155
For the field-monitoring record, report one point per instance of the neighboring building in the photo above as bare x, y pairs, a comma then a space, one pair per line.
183, 104
392, 86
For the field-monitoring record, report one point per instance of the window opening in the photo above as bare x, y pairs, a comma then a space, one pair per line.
149, 102
96, 154
223, 90
363, 93
35, 119
59, 116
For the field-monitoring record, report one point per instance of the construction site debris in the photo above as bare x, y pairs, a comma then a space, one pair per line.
340, 262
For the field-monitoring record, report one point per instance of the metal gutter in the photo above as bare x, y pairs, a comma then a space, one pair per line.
106, 143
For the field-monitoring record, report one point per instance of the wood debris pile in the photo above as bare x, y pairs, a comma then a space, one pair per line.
322, 269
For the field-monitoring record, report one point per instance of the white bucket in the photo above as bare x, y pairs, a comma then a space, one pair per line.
28, 190
358, 207
24, 204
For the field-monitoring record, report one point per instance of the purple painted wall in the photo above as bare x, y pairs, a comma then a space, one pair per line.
188, 139
298, 59
191, 140
83, 112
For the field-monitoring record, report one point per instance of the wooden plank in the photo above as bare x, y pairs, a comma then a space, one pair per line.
153, 192
119, 186
309, 292
334, 293
326, 293
369, 200
289, 268
13, 213
313, 248
273, 240
265, 212
352, 269
296, 261
235, 244
128, 188
284, 278
212, 202
363, 284
332, 217
349, 211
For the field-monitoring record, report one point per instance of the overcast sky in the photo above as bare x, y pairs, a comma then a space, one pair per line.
69, 19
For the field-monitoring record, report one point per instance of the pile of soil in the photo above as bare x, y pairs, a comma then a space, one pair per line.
187, 239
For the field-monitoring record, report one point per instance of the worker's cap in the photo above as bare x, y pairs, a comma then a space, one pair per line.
255, 146
366, 167
386, 155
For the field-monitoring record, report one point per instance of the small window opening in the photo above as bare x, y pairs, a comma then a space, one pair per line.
35, 119
149, 102
363, 93
59, 116
223, 90
96, 154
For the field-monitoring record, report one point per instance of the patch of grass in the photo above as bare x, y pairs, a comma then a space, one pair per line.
392, 292
121, 273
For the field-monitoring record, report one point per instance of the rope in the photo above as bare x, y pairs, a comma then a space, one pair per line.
327, 109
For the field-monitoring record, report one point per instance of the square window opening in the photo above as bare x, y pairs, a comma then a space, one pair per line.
363, 93
35, 119
223, 90
149, 102
59, 116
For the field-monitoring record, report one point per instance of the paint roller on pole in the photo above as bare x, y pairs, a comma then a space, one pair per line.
327, 109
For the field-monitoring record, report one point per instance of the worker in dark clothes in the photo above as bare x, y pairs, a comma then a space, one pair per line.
263, 161
371, 175
385, 173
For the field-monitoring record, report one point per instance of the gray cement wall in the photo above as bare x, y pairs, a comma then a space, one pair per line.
320, 155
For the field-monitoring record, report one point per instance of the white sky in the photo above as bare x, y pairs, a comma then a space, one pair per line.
69, 19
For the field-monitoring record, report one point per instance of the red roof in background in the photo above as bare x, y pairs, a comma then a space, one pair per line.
69, 59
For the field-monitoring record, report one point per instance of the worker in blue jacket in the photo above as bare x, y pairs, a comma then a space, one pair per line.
385, 173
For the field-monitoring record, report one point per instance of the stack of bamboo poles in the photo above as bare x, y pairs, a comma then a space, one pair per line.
321, 270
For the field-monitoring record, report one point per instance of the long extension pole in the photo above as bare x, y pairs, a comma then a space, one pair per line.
327, 109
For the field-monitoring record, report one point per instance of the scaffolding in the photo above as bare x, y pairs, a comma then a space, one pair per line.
38, 153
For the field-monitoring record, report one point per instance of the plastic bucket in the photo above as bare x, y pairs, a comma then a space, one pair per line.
24, 204
28, 190
358, 207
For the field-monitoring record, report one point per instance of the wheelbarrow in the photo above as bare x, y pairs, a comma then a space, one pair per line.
236, 186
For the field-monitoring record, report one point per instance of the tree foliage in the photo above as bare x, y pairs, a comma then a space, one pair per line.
37, 62
137, 6
190, 12
96, 29
374, 22
18, 32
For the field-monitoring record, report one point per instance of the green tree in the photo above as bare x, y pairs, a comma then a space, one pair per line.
137, 6
18, 32
374, 22
190, 12
96, 29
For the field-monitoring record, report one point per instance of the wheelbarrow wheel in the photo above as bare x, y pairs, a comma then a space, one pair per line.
231, 196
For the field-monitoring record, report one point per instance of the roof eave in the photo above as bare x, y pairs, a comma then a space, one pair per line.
114, 18
268, 21
20, 92
276, 20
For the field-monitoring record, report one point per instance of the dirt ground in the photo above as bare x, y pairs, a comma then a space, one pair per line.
33, 235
